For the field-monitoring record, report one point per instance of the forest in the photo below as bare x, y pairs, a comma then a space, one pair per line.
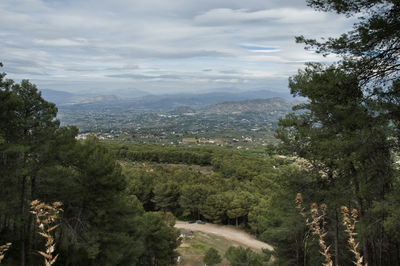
101, 223
328, 193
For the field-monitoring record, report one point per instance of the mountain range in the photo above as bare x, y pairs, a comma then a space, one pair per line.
166, 102
275, 104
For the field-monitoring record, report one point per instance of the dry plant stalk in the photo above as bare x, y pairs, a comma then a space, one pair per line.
46, 215
299, 205
317, 225
3, 250
350, 223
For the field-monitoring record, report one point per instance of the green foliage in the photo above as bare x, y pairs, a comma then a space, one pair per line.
103, 223
348, 128
157, 153
240, 204
391, 207
279, 223
160, 241
240, 256
212, 257
220, 196
345, 137
192, 198
115, 237
215, 207
371, 50
166, 196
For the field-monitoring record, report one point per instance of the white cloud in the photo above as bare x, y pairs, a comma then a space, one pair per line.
61, 42
226, 16
159, 45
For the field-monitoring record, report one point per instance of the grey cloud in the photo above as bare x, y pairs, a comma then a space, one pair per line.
168, 53
145, 77
227, 16
126, 67
61, 42
225, 76
179, 76
100, 68
25, 70
230, 71
178, 44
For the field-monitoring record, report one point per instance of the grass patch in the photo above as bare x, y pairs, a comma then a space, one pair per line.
198, 246
193, 249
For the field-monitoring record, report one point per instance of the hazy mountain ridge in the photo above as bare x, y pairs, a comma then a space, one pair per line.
250, 106
63, 98
167, 102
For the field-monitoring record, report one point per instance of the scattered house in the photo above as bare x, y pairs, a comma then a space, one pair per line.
248, 139
108, 136
86, 135
82, 136
210, 141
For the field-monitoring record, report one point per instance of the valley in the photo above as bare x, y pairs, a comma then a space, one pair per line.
243, 123
158, 133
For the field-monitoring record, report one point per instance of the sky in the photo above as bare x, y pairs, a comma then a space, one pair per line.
160, 46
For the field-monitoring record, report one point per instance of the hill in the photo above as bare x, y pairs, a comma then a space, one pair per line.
250, 106
165, 102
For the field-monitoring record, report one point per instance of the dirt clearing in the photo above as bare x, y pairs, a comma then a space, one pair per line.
228, 232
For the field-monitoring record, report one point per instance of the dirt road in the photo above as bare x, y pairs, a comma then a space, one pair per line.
229, 232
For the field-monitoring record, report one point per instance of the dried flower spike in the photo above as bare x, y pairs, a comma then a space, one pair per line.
350, 224
45, 217
3, 250
317, 225
299, 205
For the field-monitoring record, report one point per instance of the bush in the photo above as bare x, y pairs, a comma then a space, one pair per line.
212, 257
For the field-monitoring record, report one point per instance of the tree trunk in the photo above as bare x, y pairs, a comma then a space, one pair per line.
297, 254
30, 224
381, 244
22, 228
364, 243
336, 238
305, 253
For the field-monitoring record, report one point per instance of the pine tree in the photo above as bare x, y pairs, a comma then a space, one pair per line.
349, 127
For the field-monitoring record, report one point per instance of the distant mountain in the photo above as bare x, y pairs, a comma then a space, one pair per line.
250, 106
63, 98
129, 93
182, 110
57, 97
167, 102
259, 93
265, 94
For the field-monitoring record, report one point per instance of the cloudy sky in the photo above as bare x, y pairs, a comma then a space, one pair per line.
159, 46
